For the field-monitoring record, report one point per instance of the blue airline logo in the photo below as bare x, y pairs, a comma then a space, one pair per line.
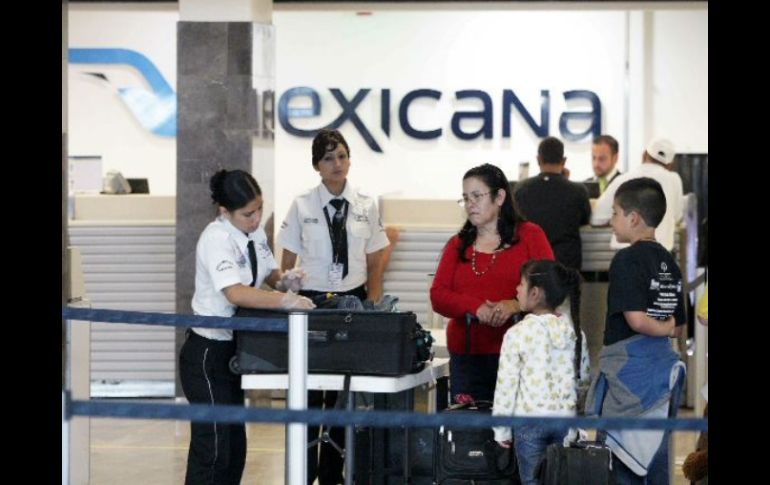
155, 110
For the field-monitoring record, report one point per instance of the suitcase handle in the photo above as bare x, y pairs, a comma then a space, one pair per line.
588, 444
469, 318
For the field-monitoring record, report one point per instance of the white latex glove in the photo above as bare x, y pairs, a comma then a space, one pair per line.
292, 280
292, 300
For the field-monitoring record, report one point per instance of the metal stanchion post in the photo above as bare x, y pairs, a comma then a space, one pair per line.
350, 449
296, 436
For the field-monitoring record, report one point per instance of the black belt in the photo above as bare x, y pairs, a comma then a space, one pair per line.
191, 334
359, 291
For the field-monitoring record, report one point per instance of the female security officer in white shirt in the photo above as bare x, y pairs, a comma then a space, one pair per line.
355, 269
306, 231
224, 280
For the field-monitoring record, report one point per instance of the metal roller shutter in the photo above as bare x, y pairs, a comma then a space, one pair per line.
129, 267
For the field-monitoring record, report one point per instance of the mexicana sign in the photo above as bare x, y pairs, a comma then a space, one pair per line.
509, 103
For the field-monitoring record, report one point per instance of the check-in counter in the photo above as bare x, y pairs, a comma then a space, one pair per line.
127, 244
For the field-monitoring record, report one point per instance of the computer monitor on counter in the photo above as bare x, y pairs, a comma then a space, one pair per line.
139, 186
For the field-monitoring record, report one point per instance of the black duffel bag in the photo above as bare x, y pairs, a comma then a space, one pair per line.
583, 462
464, 454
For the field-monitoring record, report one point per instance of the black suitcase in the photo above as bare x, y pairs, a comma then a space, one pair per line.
471, 454
339, 341
587, 462
380, 451
379, 456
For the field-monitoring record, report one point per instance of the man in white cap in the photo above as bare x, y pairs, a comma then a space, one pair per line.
658, 155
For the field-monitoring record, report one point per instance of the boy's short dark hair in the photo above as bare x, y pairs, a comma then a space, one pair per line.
645, 196
327, 140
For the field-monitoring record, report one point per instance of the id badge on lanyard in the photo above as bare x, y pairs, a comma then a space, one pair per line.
336, 268
335, 274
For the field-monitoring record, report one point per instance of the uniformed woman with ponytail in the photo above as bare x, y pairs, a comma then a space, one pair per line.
232, 261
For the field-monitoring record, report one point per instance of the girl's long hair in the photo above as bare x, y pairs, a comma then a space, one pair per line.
557, 282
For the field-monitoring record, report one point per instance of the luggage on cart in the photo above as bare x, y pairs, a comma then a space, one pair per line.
339, 341
471, 454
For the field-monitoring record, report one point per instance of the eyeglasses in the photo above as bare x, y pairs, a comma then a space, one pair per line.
474, 197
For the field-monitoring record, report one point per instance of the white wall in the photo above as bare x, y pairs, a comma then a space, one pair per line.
523, 51
681, 79
449, 49
98, 121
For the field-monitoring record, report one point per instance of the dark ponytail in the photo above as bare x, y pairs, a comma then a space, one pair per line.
572, 281
234, 189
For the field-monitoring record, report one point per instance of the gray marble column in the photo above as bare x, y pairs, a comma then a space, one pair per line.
217, 119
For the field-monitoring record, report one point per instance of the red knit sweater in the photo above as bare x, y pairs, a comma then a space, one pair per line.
457, 290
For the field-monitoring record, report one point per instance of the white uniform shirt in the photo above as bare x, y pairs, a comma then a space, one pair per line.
672, 188
222, 260
305, 232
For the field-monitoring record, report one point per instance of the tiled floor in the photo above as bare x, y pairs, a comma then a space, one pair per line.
153, 452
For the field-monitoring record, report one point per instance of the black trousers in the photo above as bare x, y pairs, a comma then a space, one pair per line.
326, 466
217, 452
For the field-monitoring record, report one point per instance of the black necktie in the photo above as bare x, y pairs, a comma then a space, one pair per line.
340, 239
253, 260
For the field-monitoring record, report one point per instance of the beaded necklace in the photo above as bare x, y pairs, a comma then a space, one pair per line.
491, 263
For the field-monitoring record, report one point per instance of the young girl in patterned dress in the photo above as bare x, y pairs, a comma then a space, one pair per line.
539, 360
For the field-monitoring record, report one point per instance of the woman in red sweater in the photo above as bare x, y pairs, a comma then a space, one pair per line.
478, 274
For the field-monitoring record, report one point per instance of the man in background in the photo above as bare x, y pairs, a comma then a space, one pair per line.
554, 203
655, 162
604, 160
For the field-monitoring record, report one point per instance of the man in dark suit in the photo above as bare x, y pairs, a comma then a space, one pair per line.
554, 203
604, 158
